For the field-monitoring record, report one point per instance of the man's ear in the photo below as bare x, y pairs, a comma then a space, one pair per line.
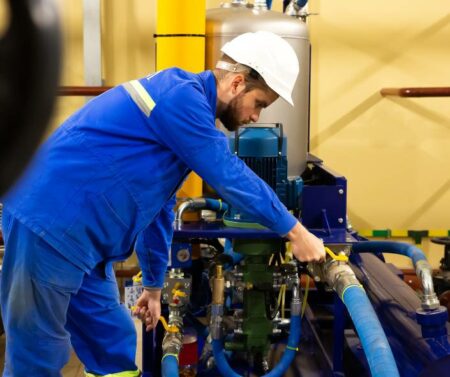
238, 84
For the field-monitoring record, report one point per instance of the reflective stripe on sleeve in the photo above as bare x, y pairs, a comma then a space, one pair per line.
140, 96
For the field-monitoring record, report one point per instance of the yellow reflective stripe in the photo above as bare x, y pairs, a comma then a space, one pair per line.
127, 373
140, 96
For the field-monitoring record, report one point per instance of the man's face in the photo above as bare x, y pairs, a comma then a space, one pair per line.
246, 107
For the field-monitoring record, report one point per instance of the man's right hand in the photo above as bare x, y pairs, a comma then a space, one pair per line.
306, 247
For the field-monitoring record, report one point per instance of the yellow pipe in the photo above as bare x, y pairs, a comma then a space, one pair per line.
180, 42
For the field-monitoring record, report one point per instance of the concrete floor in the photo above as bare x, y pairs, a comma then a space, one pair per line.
74, 368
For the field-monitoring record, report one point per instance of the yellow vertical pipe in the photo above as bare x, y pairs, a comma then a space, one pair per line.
180, 42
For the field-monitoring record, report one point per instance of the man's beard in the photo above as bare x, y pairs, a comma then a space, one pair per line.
229, 116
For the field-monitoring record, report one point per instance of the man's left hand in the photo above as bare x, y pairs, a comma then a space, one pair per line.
148, 308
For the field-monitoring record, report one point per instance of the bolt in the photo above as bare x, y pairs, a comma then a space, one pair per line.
265, 365
341, 191
183, 255
210, 363
340, 220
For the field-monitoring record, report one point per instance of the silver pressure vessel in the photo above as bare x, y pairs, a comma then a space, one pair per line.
223, 24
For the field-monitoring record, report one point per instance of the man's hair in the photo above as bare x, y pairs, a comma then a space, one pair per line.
253, 80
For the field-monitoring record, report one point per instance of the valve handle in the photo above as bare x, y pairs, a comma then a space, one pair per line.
340, 258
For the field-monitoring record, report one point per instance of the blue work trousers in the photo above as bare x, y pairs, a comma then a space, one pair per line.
49, 304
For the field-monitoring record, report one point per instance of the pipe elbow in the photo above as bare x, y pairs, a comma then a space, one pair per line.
425, 273
423, 269
181, 210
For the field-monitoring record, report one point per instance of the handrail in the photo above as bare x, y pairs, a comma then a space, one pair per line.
82, 90
417, 92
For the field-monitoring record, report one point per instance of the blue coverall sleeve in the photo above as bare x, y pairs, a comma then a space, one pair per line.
153, 245
185, 123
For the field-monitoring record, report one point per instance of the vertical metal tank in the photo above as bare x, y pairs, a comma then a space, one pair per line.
227, 22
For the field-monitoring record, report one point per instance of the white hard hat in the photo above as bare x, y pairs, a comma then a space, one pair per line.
269, 55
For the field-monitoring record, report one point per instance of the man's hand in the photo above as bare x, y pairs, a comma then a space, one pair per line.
148, 308
306, 247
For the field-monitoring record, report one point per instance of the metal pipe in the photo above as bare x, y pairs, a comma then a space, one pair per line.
92, 42
198, 203
181, 210
416, 92
425, 274
82, 90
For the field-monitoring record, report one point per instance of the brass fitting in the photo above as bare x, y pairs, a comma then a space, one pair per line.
218, 286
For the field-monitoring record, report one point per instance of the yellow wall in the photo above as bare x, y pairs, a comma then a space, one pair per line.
394, 152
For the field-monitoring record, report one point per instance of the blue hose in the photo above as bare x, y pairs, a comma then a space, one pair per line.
278, 371
375, 344
169, 366
221, 360
291, 348
390, 247
228, 250
216, 205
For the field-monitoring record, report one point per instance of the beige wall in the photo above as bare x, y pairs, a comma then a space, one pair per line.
394, 152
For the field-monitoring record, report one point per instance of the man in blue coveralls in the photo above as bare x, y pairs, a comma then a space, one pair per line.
104, 183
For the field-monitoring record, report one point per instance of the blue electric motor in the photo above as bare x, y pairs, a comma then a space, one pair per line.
263, 148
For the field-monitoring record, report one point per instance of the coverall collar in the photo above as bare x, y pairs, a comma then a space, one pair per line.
209, 84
